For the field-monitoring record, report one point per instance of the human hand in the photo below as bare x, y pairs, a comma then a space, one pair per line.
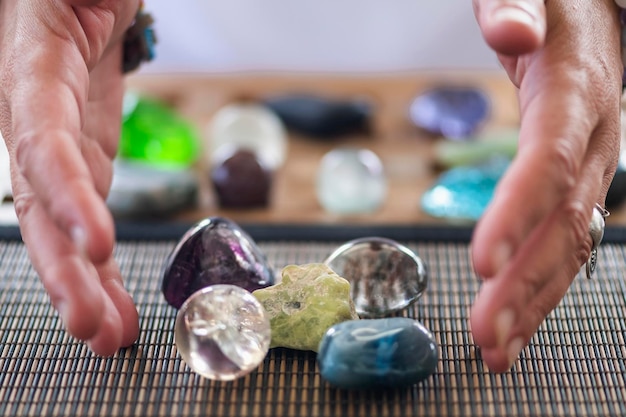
60, 103
564, 56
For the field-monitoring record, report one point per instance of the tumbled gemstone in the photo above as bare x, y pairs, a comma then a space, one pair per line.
214, 251
377, 353
384, 275
304, 304
351, 181
140, 190
455, 112
240, 181
249, 126
154, 133
463, 193
222, 332
322, 117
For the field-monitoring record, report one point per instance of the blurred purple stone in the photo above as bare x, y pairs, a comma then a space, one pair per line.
214, 251
454, 112
241, 181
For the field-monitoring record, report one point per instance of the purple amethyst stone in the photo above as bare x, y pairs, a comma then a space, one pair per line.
455, 112
214, 251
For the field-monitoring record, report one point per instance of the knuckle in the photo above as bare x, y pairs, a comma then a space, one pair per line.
23, 203
25, 144
575, 213
564, 166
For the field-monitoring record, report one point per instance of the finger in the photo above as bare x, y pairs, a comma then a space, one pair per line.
544, 171
108, 339
74, 289
46, 119
111, 279
511, 306
512, 27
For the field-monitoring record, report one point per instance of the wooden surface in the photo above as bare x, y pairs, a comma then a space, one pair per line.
405, 151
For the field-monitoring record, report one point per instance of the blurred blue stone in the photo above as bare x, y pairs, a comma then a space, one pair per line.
351, 181
377, 353
454, 112
463, 193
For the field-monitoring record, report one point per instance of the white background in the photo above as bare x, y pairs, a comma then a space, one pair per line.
317, 35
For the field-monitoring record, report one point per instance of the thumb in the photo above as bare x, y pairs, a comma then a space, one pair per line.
512, 27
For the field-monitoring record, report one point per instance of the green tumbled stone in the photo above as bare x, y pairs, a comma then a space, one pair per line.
155, 134
308, 301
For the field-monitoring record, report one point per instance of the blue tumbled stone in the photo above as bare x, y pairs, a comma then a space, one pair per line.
377, 353
454, 112
462, 194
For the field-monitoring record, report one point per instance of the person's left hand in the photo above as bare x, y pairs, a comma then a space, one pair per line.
564, 56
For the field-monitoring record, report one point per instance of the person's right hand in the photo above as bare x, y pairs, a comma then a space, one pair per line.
61, 89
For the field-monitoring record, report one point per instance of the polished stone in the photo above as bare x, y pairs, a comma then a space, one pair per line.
377, 354
141, 191
307, 301
154, 133
500, 143
351, 181
385, 276
455, 112
241, 181
463, 193
250, 126
222, 332
214, 251
322, 117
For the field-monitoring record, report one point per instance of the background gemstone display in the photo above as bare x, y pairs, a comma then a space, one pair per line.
249, 126
322, 117
222, 332
351, 181
241, 181
452, 111
463, 193
154, 133
214, 251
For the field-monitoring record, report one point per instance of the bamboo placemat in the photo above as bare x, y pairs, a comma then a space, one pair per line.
575, 364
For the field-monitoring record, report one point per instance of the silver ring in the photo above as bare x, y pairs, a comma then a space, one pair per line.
596, 231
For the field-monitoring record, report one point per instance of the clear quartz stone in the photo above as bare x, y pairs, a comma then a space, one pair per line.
248, 126
385, 276
222, 332
351, 181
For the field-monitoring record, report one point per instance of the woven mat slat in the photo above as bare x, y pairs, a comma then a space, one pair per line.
575, 364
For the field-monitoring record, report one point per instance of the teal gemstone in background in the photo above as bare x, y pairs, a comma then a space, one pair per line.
154, 133
463, 193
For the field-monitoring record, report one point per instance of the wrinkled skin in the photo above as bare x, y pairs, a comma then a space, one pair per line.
532, 240
60, 102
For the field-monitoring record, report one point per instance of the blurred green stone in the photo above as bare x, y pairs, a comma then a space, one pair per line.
154, 133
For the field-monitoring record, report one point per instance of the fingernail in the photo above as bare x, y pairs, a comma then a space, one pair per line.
500, 256
61, 307
79, 237
514, 349
503, 324
516, 12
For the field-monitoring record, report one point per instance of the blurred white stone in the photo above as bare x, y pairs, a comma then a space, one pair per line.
248, 126
351, 181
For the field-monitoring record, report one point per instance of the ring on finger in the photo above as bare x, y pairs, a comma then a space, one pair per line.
596, 231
